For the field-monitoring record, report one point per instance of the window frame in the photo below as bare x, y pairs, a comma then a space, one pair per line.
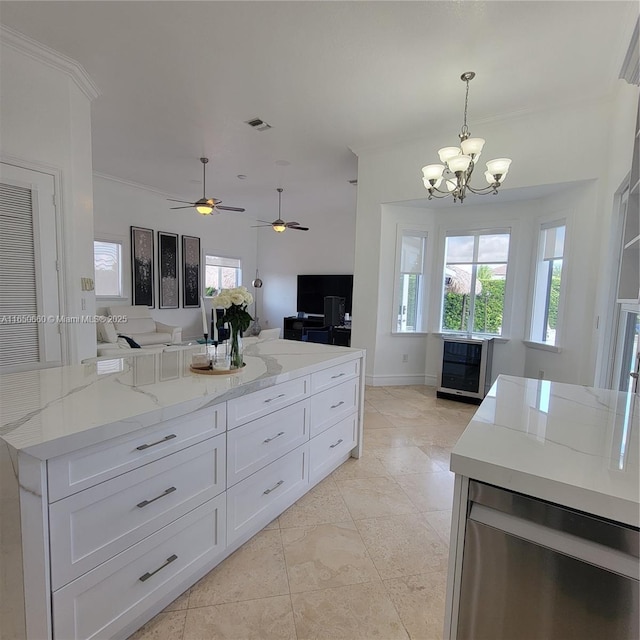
509, 229
124, 266
538, 257
221, 257
418, 231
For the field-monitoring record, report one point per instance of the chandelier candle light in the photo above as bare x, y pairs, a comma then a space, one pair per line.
205, 327
458, 164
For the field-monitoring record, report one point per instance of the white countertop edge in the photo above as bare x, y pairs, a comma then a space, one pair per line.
101, 432
580, 498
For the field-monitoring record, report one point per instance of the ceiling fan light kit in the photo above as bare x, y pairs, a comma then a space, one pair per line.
458, 164
205, 206
279, 225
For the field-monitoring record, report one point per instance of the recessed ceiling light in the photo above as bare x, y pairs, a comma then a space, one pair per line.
241, 176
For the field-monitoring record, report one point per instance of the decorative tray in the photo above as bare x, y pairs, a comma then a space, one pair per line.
208, 371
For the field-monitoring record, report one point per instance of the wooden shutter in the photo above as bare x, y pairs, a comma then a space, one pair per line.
19, 342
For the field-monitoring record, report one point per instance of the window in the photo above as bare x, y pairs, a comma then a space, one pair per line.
475, 274
221, 273
548, 277
107, 264
409, 295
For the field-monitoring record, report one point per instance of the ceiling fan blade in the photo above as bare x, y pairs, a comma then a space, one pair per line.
292, 224
265, 222
173, 208
183, 201
228, 208
255, 226
300, 228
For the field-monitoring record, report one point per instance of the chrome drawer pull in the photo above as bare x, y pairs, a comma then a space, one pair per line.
338, 376
144, 503
336, 444
147, 575
142, 447
272, 399
273, 437
268, 491
335, 406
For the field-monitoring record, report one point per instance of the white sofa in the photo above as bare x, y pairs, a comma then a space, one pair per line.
121, 348
136, 323
141, 327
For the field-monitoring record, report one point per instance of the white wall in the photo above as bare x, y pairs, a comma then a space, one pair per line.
547, 148
119, 205
327, 248
46, 122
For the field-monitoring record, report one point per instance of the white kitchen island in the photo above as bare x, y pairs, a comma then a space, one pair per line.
124, 481
544, 540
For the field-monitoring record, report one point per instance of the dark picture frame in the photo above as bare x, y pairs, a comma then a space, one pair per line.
142, 260
168, 280
190, 272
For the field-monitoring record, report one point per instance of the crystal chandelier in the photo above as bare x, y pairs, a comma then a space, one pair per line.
458, 164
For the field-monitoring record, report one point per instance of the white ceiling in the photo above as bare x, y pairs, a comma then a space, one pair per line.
179, 79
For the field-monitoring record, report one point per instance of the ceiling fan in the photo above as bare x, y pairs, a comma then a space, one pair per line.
205, 206
280, 225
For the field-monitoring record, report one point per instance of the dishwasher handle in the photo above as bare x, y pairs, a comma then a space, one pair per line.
565, 543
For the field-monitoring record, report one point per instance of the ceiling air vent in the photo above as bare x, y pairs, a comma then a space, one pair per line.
258, 125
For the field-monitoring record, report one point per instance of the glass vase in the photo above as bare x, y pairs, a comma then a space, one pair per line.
235, 348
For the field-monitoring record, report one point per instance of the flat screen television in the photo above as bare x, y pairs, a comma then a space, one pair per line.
312, 290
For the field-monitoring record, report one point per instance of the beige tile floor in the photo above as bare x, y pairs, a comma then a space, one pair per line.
363, 555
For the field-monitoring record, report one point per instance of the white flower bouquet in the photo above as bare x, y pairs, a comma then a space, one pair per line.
234, 302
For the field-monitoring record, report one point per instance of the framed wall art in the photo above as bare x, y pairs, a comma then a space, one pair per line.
190, 272
168, 287
142, 258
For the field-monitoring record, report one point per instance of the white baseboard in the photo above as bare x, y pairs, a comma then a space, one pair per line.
431, 380
401, 380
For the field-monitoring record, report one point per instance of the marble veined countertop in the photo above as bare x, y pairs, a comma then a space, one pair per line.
49, 412
572, 445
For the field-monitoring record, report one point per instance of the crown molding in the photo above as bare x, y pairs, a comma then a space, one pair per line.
51, 58
135, 185
630, 70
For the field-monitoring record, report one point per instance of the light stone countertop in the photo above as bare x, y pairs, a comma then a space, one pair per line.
49, 412
568, 444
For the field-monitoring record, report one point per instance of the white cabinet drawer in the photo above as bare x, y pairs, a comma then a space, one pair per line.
86, 467
96, 524
107, 599
332, 405
256, 444
260, 403
321, 380
330, 446
254, 502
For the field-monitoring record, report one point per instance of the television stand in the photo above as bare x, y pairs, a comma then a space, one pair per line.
294, 328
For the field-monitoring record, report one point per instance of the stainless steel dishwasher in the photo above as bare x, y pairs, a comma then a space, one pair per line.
535, 570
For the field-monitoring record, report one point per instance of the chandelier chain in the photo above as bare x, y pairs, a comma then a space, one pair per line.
464, 134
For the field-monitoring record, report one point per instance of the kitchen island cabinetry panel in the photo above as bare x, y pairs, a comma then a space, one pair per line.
103, 602
91, 526
135, 498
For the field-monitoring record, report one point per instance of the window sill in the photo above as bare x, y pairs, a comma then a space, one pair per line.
116, 298
542, 346
473, 336
408, 334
